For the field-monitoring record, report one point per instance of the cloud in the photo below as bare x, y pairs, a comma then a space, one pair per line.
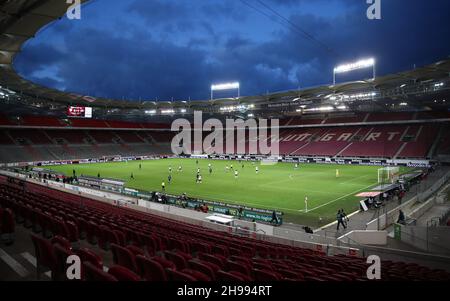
178, 48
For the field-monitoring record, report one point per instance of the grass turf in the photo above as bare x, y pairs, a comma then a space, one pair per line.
279, 186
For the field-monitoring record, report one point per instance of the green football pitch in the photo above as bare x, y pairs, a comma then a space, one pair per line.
278, 186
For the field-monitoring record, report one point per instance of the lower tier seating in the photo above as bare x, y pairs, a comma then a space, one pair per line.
153, 248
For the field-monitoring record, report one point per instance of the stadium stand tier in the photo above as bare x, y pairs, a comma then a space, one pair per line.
330, 136
153, 248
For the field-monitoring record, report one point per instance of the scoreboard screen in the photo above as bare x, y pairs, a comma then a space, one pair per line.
80, 112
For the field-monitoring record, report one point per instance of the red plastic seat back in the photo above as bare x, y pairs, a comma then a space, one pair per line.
92, 273
123, 274
124, 257
150, 270
45, 254
179, 276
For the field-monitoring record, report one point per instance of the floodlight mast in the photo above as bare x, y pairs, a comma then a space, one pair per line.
226, 86
362, 64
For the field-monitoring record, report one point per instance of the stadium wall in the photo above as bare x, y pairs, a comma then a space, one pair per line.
389, 218
429, 239
367, 237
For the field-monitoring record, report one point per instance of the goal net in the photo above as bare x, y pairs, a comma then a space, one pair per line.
269, 161
388, 174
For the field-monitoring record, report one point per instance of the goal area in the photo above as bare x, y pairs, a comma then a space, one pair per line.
388, 174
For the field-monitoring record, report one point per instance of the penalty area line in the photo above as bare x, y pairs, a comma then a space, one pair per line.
339, 198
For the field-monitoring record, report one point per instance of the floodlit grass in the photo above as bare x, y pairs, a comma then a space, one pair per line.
279, 186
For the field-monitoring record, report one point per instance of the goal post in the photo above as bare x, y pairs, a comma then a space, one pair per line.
272, 160
388, 174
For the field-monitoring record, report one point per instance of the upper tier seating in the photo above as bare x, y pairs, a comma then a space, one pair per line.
41, 121
5, 138
89, 123
350, 119
397, 116
433, 115
123, 124
5, 120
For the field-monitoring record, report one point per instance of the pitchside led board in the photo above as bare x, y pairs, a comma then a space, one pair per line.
79, 112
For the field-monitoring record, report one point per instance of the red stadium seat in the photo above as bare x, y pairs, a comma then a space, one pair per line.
61, 254
45, 256
201, 267
229, 277
124, 257
90, 256
62, 241
166, 264
177, 259
262, 275
92, 273
150, 270
123, 274
179, 276
7, 226
197, 275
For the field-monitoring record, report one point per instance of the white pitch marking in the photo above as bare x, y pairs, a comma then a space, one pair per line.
344, 196
13, 264
31, 259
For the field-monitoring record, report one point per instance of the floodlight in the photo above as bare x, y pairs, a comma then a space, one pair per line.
361, 64
355, 66
226, 86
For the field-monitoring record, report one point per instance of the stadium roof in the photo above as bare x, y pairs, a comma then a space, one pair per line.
20, 20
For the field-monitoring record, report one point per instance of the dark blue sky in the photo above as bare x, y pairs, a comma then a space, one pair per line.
159, 49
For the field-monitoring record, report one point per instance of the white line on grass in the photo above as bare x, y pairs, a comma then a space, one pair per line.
339, 198
13, 264
31, 259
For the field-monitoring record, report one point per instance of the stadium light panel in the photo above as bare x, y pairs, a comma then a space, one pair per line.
183, 111
167, 111
237, 108
225, 86
321, 109
150, 112
355, 66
